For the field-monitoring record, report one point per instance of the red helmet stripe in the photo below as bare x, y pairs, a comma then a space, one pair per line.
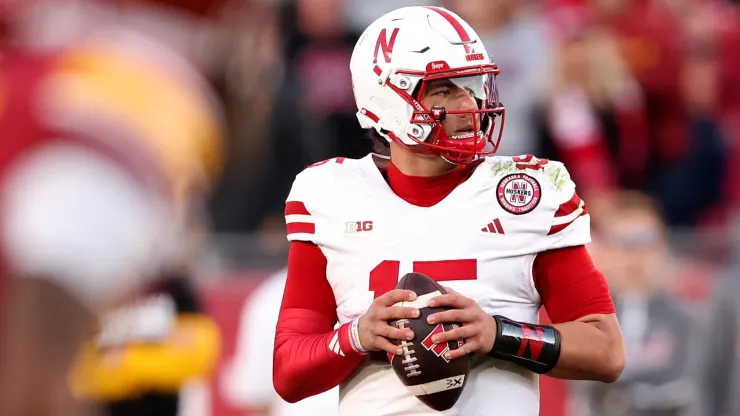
464, 37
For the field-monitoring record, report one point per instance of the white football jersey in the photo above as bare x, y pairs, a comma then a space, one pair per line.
481, 240
247, 381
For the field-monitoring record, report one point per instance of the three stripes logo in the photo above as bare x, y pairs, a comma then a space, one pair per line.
334, 345
493, 227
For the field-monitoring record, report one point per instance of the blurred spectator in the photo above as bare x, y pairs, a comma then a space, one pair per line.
515, 34
253, 73
594, 117
724, 21
684, 170
360, 13
661, 339
637, 110
248, 381
312, 114
722, 372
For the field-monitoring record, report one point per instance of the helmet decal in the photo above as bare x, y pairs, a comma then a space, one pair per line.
386, 46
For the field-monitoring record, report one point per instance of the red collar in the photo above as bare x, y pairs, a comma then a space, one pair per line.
425, 191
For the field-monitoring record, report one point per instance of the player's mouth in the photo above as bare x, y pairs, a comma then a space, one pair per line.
466, 133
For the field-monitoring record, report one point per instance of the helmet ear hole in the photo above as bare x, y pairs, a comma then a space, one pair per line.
417, 91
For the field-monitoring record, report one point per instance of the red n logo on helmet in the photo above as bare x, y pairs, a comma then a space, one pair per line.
386, 46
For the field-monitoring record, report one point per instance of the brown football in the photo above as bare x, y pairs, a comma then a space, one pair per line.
433, 379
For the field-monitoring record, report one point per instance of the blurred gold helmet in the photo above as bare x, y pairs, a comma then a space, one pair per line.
153, 98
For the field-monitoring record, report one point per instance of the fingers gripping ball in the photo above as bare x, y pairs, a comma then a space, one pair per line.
433, 379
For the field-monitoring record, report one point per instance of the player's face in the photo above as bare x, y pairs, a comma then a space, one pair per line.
452, 96
637, 246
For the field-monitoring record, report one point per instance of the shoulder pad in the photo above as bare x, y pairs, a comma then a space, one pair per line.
559, 215
306, 203
320, 171
550, 171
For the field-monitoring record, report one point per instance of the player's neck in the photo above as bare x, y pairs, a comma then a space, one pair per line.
423, 180
414, 164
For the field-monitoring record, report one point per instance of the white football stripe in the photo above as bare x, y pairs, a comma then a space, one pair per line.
334, 342
420, 301
300, 236
298, 218
432, 387
338, 350
570, 217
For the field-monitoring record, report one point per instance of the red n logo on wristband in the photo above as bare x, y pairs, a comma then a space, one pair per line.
534, 338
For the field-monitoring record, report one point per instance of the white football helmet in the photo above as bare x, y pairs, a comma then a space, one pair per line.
398, 55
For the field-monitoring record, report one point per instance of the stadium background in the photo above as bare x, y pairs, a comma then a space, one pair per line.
630, 94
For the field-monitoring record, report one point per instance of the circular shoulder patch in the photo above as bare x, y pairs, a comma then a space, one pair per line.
518, 193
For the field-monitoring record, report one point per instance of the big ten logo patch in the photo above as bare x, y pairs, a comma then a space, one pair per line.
358, 226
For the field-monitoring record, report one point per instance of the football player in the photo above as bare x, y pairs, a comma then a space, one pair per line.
248, 380
506, 235
103, 144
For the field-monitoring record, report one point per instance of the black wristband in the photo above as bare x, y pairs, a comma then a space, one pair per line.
534, 347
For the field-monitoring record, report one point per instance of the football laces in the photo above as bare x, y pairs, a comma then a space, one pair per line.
409, 360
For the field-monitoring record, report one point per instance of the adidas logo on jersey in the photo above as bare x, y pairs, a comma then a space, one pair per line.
493, 227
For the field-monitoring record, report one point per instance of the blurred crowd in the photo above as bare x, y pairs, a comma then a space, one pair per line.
629, 94
639, 98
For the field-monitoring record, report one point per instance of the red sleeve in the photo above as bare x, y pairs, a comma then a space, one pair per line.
310, 357
570, 285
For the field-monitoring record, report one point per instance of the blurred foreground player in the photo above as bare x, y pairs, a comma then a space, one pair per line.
506, 234
102, 143
248, 382
148, 351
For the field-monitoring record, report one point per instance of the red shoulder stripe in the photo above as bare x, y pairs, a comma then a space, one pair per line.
301, 227
560, 227
296, 208
569, 207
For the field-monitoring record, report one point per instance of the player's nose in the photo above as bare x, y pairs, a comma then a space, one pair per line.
465, 105
466, 102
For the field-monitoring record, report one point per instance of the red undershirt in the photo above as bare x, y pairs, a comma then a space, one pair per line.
305, 359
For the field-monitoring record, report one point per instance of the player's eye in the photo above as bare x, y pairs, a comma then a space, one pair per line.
441, 91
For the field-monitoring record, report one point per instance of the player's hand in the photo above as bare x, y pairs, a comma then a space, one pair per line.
373, 326
478, 329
